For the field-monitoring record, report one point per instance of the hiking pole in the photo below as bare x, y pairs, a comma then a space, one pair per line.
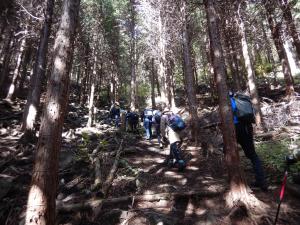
282, 192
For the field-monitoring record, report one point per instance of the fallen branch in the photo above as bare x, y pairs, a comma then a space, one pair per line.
106, 185
98, 176
111, 175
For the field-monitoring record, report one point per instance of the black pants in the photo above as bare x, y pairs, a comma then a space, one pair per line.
244, 134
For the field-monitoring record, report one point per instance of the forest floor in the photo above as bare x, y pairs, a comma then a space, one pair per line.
144, 190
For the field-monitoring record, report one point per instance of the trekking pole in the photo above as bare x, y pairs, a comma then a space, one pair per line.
282, 192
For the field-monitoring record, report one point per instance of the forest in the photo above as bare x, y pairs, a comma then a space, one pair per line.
149, 112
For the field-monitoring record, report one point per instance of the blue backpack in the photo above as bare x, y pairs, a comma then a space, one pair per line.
176, 123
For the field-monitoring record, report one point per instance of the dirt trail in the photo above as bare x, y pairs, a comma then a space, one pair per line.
202, 175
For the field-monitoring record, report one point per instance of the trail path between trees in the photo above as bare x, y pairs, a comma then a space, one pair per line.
195, 196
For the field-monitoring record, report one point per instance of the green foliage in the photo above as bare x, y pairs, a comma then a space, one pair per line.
273, 154
103, 144
263, 68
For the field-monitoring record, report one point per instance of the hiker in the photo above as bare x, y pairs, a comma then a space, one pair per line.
115, 113
170, 133
244, 136
148, 114
132, 120
156, 120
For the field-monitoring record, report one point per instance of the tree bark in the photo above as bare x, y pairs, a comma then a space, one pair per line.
251, 75
153, 84
162, 57
34, 93
276, 30
170, 84
237, 182
133, 57
7, 55
42, 194
26, 62
12, 87
188, 71
287, 15
92, 91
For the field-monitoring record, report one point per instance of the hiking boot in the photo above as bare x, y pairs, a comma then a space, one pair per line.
263, 187
161, 146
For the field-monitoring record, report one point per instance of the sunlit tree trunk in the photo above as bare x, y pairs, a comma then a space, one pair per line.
84, 81
162, 57
41, 199
276, 34
12, 87
152, 77
34, 93
188, 71
133, 86
25, 63
170, 84
287, 15
269, 53
92, 91
238, 188
251, 75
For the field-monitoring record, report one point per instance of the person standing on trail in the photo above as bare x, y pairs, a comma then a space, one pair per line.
244, 136
171, 135
156, 119
115, 112
148, 114
132, 120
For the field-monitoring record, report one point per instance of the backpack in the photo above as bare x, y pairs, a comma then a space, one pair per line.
176, 123
245, 112
157, 116
148, 113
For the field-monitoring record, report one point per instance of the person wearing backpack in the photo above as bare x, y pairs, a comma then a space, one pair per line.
132, 119
115, 113
156, 120
170, 127
243, 117
148, 114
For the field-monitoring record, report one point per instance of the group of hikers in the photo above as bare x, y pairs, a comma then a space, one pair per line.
168, 126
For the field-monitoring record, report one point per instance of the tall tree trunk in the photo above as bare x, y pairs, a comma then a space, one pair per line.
92, 91
6, 58
250, 74
26, 62
162, 57
42, 194
34, 93
157, 84
287, 15
188, 71
12, 87
133, 86
238, 188
276, 34
170, 84
152, 76
268, 48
